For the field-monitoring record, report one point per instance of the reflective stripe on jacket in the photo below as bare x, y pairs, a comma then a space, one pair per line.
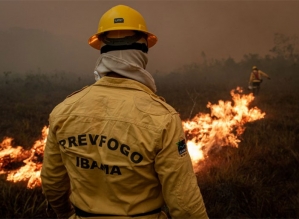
118, 149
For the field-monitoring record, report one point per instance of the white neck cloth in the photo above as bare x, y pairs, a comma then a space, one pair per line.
128, 63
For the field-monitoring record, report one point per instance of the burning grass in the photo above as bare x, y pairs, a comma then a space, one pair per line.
23, 165
223, 126
209, 132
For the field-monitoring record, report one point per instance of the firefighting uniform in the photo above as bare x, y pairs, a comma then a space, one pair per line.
115, 148
256, 77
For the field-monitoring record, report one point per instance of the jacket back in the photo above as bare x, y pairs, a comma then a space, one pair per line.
119, 143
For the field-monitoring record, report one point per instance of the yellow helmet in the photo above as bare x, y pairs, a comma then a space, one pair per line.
254, 67
121, 17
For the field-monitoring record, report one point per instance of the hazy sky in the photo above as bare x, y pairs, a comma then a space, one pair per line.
53, 34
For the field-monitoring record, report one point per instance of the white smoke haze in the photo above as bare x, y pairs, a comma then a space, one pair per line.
53, 34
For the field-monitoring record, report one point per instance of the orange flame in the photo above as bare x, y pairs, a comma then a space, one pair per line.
222, 126
30, 172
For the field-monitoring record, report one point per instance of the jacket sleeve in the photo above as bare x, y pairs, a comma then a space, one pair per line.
179, 184
263, 74
55, 180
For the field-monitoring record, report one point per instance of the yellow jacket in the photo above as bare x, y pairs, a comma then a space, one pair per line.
116, 148
256, 76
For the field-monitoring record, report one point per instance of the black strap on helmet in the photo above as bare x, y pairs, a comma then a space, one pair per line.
127, 40
138, 46
124, 43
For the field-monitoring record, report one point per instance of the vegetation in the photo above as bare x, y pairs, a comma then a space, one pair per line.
259, 179
27, 99
18, 202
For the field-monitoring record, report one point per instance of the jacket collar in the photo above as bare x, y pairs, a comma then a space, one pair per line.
123, 82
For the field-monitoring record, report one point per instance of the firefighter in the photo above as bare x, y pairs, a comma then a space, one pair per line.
115, 149
256, 78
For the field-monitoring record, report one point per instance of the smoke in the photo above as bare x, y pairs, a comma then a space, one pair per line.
29, 49
53, 34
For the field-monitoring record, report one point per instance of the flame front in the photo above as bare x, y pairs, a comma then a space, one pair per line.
31, 159
222, 126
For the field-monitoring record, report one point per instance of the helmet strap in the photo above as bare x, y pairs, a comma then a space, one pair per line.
138, 46
127, 40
